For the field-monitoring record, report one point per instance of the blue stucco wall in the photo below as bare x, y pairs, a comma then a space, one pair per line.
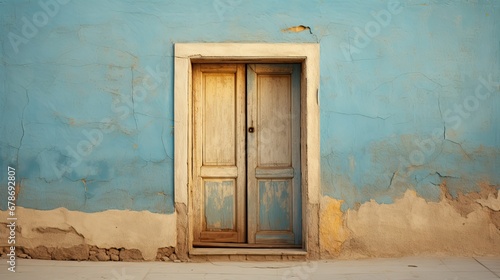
86, 94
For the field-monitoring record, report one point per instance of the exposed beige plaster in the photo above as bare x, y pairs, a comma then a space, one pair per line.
491, 202
409, 226
413, 226
60, 227
298, 28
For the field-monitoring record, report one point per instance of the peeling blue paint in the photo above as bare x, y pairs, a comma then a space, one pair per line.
274, 205
107, 67
220, 205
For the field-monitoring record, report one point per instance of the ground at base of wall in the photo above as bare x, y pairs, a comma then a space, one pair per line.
241, 258
86, 252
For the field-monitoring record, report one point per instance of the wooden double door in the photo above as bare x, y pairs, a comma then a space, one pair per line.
246, 187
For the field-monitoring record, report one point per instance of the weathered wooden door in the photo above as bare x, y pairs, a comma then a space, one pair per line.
246, 154
219, 157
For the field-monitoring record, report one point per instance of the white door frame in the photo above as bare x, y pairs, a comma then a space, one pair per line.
306, 54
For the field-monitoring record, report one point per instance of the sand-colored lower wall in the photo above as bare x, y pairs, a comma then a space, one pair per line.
61, 228
467, 225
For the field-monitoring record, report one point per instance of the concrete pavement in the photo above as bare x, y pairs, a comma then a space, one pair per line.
446, 268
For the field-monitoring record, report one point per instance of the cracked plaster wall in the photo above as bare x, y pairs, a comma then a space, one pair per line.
98, 77
61, 228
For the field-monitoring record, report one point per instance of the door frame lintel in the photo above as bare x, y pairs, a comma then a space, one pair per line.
305, 53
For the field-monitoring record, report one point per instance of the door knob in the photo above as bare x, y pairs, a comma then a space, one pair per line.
251, 129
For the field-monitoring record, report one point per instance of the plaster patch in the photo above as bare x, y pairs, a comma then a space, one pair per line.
467, 203
60, 227
413, 226
298, 28
331, 227
491, 202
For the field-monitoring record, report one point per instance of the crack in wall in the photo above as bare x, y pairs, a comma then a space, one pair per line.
445, 176
85, 194
392, 178
358, 114
441, 115
133, 101
406, 74
163, 142
460, 145
22, 127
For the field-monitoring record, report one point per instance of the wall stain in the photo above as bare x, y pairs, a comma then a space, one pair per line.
332, 230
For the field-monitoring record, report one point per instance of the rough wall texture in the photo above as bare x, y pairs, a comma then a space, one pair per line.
412, 226
61, 228
410, 124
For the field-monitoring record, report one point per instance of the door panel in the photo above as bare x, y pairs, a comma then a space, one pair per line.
273, 109
219, 156
219, 111
220, 204
275, 197
273, 149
